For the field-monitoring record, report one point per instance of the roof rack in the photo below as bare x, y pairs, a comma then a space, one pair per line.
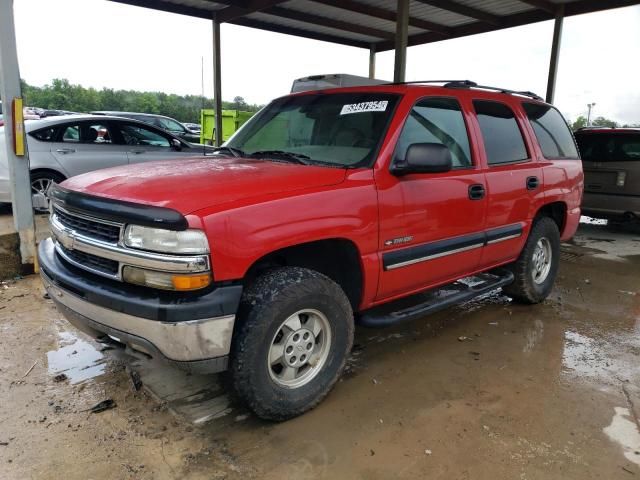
471, 84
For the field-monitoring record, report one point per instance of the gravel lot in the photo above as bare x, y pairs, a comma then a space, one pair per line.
486, 390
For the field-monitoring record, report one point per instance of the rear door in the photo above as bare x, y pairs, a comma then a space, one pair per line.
514, 179
431, 224
84, 146
611, 162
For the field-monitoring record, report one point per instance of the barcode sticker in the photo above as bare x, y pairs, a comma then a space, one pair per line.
374, 106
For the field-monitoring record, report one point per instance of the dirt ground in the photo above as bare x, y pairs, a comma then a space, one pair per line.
488, 390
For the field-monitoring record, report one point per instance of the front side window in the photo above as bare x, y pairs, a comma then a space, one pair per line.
503, 141
436, 120
139, 135
341, 129
609, 147
551, 130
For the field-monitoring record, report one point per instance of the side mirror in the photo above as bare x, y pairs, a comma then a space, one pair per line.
176, 144
424, 158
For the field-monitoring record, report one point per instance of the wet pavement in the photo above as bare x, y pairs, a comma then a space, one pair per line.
487, 390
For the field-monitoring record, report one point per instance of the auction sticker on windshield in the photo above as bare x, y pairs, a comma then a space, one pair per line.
374, 106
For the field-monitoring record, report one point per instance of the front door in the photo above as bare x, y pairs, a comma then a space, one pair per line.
431, 225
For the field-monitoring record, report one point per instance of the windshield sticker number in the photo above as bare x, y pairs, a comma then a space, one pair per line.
375, 106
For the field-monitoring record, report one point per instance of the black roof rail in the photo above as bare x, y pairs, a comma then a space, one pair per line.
471, 84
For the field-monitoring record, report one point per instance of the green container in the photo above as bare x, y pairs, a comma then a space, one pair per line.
232, 120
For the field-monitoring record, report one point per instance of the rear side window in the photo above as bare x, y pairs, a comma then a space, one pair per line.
551, 130
437, 120
503, 142
609, 147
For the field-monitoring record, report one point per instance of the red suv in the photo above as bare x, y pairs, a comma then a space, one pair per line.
327, 209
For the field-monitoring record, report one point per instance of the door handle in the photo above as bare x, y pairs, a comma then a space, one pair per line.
137, 152
476, 192
532, 183
64, 151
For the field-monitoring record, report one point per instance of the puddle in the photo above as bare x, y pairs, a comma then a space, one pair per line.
76, 358
582, 355
624, 431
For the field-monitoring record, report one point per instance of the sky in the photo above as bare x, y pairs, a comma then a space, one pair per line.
99, 43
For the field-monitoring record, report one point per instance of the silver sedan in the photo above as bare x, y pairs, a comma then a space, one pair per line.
61, 147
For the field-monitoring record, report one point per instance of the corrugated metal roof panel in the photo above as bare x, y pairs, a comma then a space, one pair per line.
345, 15
204, 4
498, 7
285, 22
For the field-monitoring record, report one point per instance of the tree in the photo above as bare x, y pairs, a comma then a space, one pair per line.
604, 122
239, 103
580, 122
62, 95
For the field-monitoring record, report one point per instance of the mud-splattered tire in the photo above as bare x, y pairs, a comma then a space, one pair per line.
536, 268
292, 337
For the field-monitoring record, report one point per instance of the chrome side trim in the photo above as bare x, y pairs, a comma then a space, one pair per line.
434, 256
72, 240
502, 239
179, 341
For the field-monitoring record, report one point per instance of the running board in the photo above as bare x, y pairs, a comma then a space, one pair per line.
421, 304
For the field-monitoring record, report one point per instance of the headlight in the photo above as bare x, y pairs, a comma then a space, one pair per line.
166, 241
164, 280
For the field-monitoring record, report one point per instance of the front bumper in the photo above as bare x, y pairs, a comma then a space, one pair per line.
193, 332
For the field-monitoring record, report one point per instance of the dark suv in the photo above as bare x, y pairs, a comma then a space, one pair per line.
169, 124
611, 161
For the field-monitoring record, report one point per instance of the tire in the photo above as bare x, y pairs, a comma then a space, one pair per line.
265, 329
40, 181
534, 277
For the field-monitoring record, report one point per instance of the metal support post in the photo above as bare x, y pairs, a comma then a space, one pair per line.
19, 178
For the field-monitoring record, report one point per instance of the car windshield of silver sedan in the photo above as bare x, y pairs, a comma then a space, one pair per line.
341, 130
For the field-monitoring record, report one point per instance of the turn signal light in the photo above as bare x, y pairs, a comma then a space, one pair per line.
191, 282
165, 280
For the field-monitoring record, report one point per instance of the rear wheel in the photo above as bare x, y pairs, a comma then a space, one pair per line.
294, 332
536, 268
40, 183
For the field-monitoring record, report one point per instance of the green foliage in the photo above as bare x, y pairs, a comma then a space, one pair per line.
580, 122
604, 122
62, 95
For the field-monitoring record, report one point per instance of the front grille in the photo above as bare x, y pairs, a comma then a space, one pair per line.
86, 260
88, 227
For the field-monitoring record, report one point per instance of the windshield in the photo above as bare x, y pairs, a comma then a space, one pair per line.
342, 130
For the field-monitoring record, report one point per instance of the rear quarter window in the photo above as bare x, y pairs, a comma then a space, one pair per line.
45, 134
552, 132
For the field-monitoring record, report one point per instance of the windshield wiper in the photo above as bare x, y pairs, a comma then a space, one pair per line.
236, 152
300, 158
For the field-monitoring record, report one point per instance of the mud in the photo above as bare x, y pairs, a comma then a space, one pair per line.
550, 391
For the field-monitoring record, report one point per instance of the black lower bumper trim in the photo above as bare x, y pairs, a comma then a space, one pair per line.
134, 300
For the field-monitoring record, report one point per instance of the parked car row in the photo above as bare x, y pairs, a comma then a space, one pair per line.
62, 147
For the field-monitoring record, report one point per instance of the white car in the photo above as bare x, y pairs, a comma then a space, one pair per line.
61, 147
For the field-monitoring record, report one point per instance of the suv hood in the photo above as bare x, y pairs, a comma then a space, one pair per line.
196, 183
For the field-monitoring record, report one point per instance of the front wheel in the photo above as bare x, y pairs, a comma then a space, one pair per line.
295, 330
536, 268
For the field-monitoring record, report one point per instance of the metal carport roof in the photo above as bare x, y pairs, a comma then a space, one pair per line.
372, 23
